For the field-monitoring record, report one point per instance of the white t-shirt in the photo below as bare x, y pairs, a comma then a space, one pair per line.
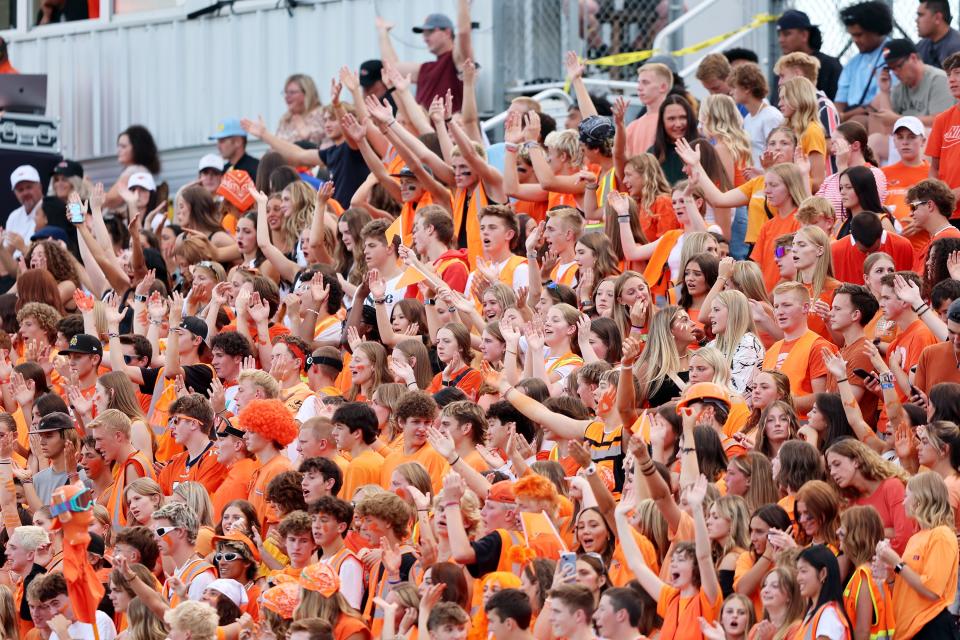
759, 126
392, 293
22, 223
84, 630
521, 275
196, 587
351, 580
829, 625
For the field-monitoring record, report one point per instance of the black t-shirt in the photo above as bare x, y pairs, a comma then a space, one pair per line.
668, 390
246, 163
347, 170
197, 377
35, 571
829, 76
488, 550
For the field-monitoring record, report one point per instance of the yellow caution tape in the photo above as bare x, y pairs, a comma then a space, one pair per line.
631, 57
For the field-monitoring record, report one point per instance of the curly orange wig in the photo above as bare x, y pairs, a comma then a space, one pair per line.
270, 419
536, 487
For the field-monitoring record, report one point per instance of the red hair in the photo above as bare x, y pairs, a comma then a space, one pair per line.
270, 419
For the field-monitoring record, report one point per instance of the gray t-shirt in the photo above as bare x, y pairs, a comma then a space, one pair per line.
930, 97
46, 480
934, 53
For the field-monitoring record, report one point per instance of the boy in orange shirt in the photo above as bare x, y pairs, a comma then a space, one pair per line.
268, 428
190, 424
903, 353
942, 146
908, 137
932, 202
799, 354
355, 428
466, 424
415, 413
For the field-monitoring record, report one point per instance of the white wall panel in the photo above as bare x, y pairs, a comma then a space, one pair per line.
179, 77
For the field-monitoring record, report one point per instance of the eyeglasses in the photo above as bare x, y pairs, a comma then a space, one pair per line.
915, 205
162, 531
228, 557
174, 420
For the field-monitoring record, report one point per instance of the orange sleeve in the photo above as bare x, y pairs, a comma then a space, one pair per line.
471, 384
816, 367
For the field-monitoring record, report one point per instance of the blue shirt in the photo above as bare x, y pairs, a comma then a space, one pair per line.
858, 82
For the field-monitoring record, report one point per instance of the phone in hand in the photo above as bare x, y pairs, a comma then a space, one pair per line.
863, 374
568, 559
76, 213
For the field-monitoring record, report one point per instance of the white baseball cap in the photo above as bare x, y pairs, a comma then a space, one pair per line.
23, 173
230, 588
912, 124
211, 161
143, 180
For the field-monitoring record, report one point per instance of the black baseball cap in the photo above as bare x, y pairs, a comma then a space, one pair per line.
98, 548
953, 311
229, 429
596, 130
85, 344
68, 168
898, 50
55, 421
793, 19
371, 72
195, 325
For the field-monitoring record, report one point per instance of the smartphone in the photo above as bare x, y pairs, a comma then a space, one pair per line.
568, 558
915, 393
863, 374
76, 212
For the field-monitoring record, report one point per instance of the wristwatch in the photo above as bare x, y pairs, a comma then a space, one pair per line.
899, 568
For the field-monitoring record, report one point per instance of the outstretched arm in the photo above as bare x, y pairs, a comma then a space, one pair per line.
559, 424
290, 152
575, 70
650, 581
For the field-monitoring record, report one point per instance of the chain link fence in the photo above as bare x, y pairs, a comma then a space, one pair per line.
530, 39
836, 42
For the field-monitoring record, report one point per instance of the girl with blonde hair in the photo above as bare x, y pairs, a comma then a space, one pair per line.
866, 602
196, 496
9, 615
728, 525
709, 365
731, 321
723, 123
384, 403
783, 606
750, 475
925, 572
666, 358
814, 263
798, 103
368, 369
596, 260
141, 498
645, 183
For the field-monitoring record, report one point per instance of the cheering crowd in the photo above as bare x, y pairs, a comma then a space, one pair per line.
693, 374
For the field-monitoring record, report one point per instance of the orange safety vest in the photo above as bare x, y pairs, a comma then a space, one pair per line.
567, 277
115, 504
608, 183
657, 273
506, 274
471, 211
323, 325
810, 628
882, 625
408, 213
795, 365
164, 394
194, 569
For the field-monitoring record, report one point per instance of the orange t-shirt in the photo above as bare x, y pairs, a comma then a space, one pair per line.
944, 144
910, 344
848, 259
757, 207
763, 250
813, 140
920, 256
362, 470
659, 219
900, 178
432, 461
348, 626
932, 554
235, 485
469, 383
207, 471
937, 364
257, 494
745, 562
681, 616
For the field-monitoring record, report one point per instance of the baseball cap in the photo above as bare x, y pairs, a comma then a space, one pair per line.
407, 172
84, 344
55, 421
371, 72
228, 128
23, 173
793, 19
911, 123
211, 161
434, 21
68, 168
230, 588
229, 429
143, 180
898, 50
98, 548
502, 492
195, 325
54, 233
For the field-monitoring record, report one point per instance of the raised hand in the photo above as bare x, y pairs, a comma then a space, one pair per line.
259, 310
258, 196
688, 154
353, 338
335, 88
619, 203
632, 348
835, 364
469, 71
512, 128
573, 66
442, 443
81, 405
725, 269
437, 115
620, 111
378, 287
379, 111
352, 128
349, 79
531, 130
697, 492
905, 442
402, 371
399, 81
908, 291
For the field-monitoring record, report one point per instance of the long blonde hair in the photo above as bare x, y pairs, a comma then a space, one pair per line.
930, 501
302, 203
660, 357
747, 277
794, 180
739, 322
122, 394
143, 622
823, 270
802, 96
734, 510
655, 183
8, 614
867, 461
722, 121
378, 362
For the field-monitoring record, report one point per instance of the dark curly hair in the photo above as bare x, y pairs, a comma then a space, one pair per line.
60, 263
873, 16
144, 147
416, 404
232, 344
285, 491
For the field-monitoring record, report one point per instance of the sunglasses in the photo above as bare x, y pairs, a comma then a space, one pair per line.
162, 531
779, 252
228, 557
916, 205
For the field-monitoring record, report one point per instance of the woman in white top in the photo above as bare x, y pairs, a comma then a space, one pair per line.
731, 321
